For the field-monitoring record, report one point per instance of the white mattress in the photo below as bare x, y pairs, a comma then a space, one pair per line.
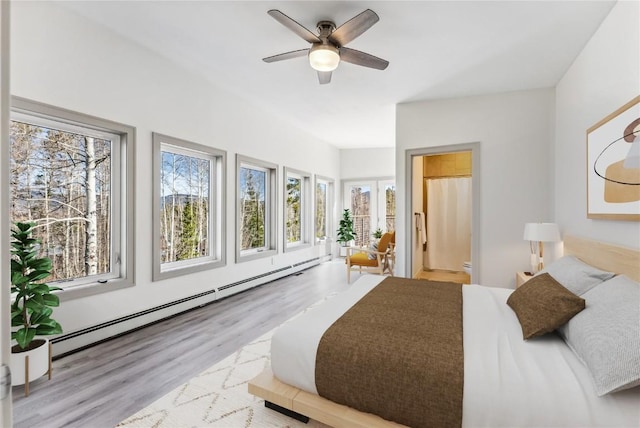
507, 381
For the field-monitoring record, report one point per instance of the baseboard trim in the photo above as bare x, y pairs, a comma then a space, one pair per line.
75, 341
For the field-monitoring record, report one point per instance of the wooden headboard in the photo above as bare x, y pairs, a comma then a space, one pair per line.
610, 257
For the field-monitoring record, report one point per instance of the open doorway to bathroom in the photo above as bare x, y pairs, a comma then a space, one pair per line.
446, 217
443, 204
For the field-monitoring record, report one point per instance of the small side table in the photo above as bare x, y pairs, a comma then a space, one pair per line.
521, 278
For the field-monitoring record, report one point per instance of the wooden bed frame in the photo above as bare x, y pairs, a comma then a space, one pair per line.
613, 258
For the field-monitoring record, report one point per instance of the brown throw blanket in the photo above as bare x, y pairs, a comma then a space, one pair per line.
398, 353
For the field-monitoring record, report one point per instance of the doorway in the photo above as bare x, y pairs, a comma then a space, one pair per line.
442, 222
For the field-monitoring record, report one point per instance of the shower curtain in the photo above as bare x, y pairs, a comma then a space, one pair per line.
448, 223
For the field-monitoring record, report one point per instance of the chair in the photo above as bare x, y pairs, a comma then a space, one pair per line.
392, 252
361, 262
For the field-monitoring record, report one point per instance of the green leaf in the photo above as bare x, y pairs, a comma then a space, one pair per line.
37, 275
38, 288
17, 319
46, 322
15, 266
51, 300
35, 303
43, 264
24, 227
18, 279
45, 330
17, 245
24, 336
42, 316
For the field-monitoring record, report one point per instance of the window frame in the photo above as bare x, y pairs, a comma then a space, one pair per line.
271, 201
217, 220
328, 209
305, 205
377, 203
122, 267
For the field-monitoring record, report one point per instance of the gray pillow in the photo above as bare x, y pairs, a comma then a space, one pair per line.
575, 275
606, 335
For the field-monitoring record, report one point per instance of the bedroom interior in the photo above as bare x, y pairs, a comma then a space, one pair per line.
521, 105
483, 403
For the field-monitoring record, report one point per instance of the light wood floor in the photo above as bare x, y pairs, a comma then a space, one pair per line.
103, 385
445, 275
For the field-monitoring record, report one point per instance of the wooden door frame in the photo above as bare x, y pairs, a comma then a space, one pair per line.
410, 231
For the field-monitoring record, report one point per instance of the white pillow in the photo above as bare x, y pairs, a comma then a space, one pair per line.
606, 334
373, 247
575, 275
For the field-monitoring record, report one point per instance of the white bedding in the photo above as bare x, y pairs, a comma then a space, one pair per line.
507, 381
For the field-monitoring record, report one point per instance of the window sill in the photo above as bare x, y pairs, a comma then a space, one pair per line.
295, 247
241, 258
91, 289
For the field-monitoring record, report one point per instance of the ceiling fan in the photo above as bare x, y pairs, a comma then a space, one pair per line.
328, 47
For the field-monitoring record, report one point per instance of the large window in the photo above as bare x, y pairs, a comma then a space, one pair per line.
297, 209
389, 204
323, 208
68, 176
256, 209
188, 213
373, 205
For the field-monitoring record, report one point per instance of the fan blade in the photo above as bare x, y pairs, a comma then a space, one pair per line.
286, 55
354, 27
364, 59
324, 77
294, 26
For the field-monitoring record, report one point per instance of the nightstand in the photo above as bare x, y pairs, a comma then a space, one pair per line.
521, 278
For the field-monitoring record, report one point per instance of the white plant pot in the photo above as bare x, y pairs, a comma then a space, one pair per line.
342, 249
38, 363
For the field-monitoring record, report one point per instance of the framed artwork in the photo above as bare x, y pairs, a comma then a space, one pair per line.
613, 165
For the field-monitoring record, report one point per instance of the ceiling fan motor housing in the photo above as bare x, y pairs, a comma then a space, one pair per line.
325, 28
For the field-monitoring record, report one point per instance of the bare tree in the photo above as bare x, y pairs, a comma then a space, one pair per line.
91, 246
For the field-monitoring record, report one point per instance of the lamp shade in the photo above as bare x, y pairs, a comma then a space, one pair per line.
542, 232
324, 57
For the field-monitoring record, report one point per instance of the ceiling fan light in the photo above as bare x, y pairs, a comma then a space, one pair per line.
324, 58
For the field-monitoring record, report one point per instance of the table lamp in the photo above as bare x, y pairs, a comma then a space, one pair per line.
536, 234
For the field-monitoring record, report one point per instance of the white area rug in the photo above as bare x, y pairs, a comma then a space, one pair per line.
218, 397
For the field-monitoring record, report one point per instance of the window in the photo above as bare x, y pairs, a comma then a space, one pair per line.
188, 218
324, 195
72, 175
372, 204
256, 209
297, 209
389, 204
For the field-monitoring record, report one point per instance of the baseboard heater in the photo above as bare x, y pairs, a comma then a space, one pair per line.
81, 339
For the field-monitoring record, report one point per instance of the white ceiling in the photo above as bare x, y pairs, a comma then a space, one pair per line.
436, 49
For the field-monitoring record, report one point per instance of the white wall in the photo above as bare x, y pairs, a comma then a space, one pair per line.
61, 59
515, 131
605, 76
367, 163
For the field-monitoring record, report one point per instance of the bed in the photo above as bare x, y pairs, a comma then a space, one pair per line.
507, 381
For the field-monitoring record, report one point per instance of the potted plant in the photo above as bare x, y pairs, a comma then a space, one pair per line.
377, 234
31, 307
346, 234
